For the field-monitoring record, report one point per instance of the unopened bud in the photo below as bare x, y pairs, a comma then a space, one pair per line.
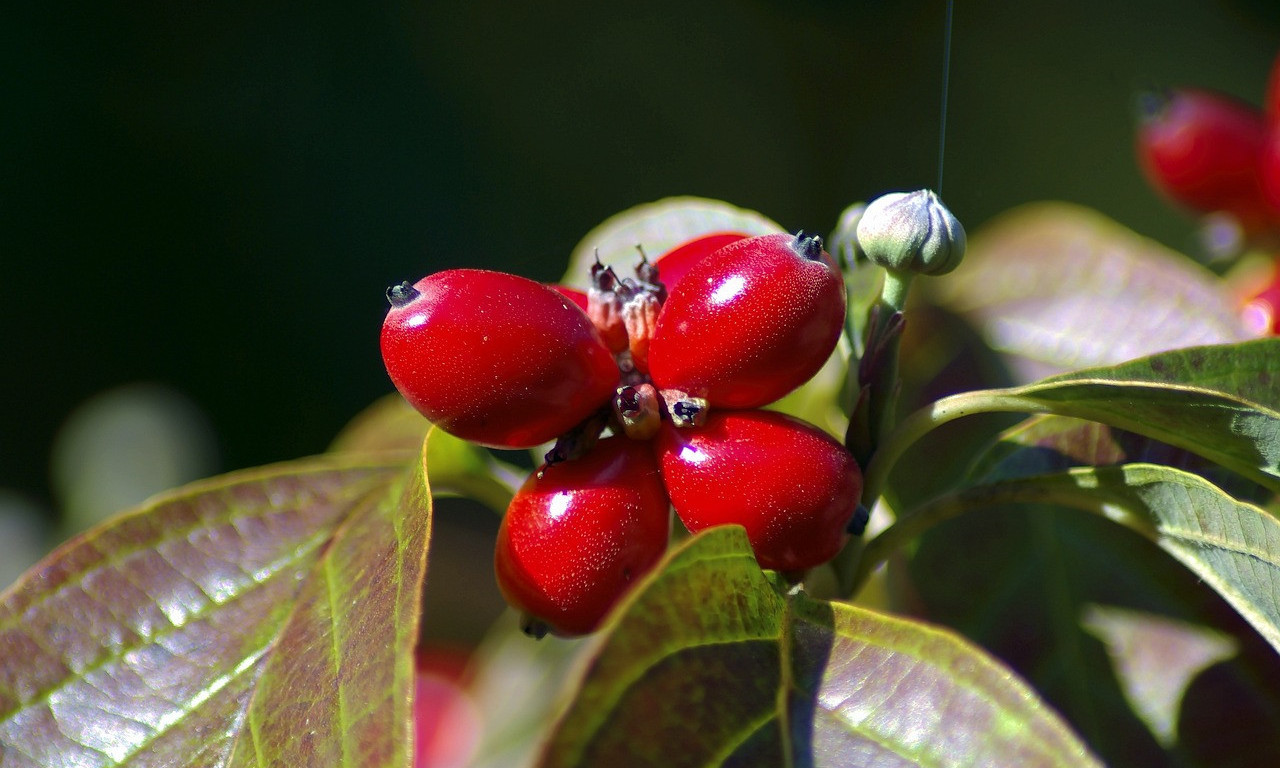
911, 232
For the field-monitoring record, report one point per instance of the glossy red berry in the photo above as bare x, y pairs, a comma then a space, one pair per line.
579, 533
1201, 149
675, 263
573, 294
792, 486
495, 358
750, 322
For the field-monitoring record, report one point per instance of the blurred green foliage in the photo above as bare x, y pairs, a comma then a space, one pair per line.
213, 197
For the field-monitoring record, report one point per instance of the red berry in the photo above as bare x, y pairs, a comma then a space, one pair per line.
573, 294
1201, 149
750, 322
791, 485
579, 533
674, 264
495, 358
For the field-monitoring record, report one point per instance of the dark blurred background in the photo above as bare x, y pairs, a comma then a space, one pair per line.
212, 198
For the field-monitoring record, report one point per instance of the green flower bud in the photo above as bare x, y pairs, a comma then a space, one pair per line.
911, 232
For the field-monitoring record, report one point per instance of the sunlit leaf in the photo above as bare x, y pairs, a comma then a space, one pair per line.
1044, 444
1237, 434
1249, 370
266, 617
1056, 286
714, 663
1156, 659
658, 227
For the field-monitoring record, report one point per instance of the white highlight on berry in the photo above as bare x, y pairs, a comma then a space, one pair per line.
728, 290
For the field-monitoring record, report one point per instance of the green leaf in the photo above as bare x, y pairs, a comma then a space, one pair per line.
1239, 435
1234, 433
1049, 443
1248, 371
658, 227
1056, 287
711, 662
266, 617
1021, 579
1233, 546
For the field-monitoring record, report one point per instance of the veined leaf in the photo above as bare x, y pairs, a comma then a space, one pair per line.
1239, 435
1249, 370
711, 662
1233, 546
1046, 443
266, 617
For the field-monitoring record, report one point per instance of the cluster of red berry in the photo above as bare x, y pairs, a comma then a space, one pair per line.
651, 387
1220, 156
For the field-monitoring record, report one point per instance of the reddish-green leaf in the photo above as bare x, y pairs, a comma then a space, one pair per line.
714, 663
266, 617
1057, 286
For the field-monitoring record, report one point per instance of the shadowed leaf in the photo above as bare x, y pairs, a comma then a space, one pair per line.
1248, 372
1155, 660
1056, 286
712, 662
1018, 579
658, 227
1233, 546
265, 617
